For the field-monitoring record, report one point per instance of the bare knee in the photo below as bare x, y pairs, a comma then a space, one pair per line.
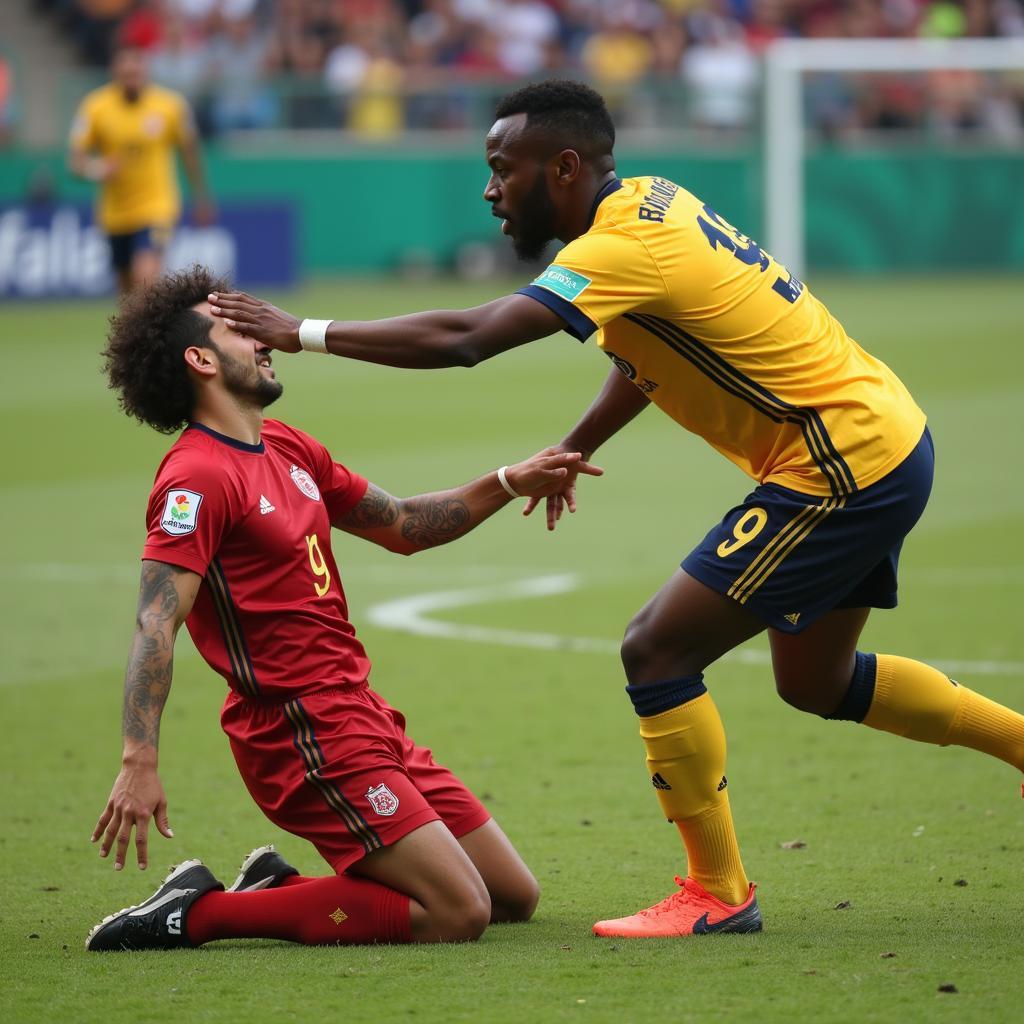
817, 694
517, 905
462, 919
814, 671
648, 656
632, 651
796, 696
467, 920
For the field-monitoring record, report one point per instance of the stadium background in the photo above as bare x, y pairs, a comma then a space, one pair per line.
344, 146
328, 120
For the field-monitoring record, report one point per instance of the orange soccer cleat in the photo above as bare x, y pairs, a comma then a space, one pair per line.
690, 911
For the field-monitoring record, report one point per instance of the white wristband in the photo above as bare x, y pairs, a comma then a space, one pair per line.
313, 335
503, 480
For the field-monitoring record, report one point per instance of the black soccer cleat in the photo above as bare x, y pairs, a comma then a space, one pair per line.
264, 868
159, 923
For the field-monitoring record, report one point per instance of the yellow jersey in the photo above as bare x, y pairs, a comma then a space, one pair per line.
142, 138
722, 338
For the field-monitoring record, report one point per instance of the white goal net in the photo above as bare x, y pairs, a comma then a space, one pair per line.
786, 64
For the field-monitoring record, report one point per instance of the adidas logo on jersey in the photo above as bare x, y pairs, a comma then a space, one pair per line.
265, 506
793, 617
658, 781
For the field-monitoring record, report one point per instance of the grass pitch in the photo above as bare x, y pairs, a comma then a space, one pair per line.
920, 846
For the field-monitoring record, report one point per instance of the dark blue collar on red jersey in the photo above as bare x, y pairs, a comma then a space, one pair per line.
231, 442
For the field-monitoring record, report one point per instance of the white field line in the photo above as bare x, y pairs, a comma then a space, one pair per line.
403, 572
410, 615
413, 615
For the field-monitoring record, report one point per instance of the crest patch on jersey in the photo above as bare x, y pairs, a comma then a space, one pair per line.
181, 511
382, 800
305, 483
565, 283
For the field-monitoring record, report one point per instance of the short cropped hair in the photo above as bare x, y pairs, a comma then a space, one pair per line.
569, 111
148, 337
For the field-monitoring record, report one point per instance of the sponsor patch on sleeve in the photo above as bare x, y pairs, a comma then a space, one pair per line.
181, 512
564, 283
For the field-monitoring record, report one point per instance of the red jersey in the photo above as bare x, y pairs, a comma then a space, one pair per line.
255, 522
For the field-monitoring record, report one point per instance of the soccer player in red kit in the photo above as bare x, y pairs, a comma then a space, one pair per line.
239, 547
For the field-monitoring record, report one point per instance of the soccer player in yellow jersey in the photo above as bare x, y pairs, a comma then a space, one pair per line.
124, 138
700, 321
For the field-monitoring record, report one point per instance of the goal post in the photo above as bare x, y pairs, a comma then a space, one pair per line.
786, 62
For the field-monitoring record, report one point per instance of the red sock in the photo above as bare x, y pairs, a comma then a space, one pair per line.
319, 911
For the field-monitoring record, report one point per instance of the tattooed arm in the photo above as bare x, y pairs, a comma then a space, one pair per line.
166, 595
408, 525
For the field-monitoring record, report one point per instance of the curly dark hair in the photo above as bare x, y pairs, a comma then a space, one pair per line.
148, 336
570, 111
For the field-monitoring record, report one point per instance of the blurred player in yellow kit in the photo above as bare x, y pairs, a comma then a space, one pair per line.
697, 319
124, 138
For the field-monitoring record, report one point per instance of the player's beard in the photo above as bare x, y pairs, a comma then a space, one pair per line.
249, 385
535, 225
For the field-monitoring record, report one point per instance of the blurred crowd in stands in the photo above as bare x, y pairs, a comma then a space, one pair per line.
379, 67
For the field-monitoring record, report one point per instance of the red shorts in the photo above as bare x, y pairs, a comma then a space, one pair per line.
337, 768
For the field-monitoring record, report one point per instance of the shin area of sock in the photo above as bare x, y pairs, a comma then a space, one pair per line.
713, 854
320, 911
686, 761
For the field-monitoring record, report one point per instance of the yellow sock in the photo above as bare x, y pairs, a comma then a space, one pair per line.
917, 701
686, 760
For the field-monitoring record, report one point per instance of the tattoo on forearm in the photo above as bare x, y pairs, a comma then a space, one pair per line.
148, 677
157, 592
146, 686
377, 508
434, 520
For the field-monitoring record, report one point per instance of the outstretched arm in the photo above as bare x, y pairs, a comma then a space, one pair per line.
618, 403
408, 525
166, 595
454, 337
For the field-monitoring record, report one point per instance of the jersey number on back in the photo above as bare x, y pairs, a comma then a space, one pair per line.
720, 232
322, 581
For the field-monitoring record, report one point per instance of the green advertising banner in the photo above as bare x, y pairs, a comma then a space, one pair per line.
915, 211
375, 209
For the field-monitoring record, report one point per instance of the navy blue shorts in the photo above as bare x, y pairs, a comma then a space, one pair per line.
791, 557
124, 247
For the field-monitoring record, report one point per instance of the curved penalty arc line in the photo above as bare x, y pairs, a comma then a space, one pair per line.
413, 615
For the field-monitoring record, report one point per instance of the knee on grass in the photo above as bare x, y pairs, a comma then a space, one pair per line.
516, 906
464, 920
